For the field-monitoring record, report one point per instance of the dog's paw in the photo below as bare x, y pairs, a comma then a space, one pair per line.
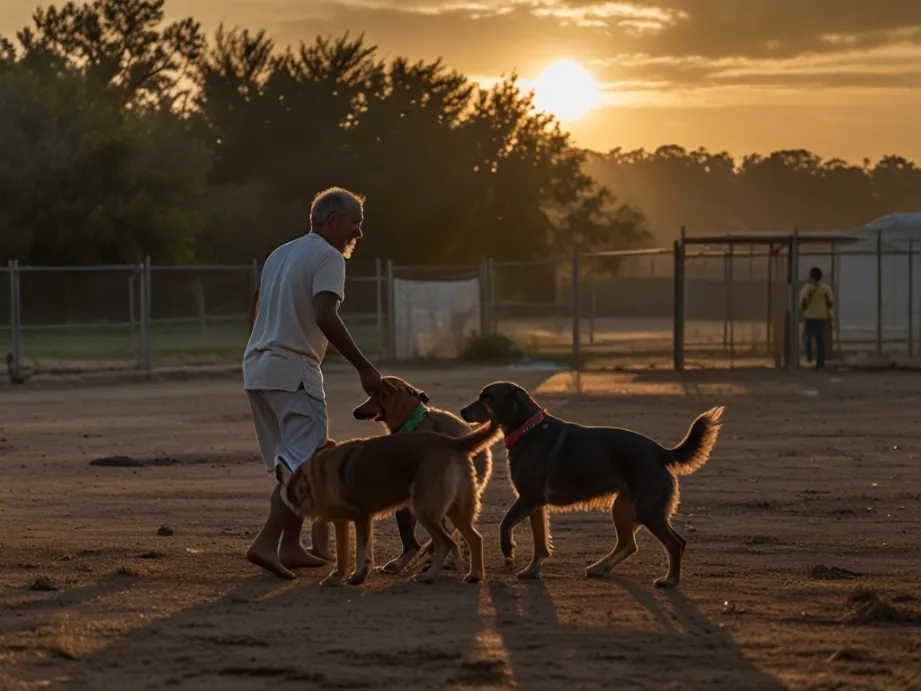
331, 581
423, 578
391, 567
597, 571
665, 582
474, 577
357, 577
528, 575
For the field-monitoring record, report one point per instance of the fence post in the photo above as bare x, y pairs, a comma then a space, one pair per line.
726, 301
730, 279
879, 292
15, 316
132, 314
576, 315
911, 298
391, 314
793, 335
834, 342
142, 319
484, 296
591, 314
770, 301
379, 299
679, 305
491, 278
147, 317
254, 279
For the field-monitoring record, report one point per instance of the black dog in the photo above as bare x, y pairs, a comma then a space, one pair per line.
557, 463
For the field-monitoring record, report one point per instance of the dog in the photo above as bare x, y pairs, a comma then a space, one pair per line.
359, 480
561, 465
403, 408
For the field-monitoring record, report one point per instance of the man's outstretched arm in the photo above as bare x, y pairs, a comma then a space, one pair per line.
326, 311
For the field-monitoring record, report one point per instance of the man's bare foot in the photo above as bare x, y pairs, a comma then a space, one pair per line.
270, 563
300, 558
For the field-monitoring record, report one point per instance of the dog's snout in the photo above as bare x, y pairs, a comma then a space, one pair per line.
475, 412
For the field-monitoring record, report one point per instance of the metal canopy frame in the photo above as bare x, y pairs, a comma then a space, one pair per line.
775, 242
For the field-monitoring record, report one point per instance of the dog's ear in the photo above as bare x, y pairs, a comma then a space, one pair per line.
328, 443
282, 472
421, 395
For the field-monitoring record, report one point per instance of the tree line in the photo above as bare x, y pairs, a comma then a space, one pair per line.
714, 193
124, 135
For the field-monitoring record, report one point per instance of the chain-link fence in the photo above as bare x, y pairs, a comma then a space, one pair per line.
69, 319
63, 320
530, 302
736, 306
7, 307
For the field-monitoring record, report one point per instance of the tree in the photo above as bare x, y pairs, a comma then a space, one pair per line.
84, 181
123, 45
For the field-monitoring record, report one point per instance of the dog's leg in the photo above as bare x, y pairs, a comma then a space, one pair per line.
406, 523
474, 539
363, 534
674, 548
443, 544
540, 531
684, 543
624, 517
454, 560
516, 514
342, 555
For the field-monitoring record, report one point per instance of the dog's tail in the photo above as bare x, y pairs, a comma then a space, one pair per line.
694, 450
482, 437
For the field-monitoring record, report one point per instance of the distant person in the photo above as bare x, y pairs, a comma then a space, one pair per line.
817, 304
295, 315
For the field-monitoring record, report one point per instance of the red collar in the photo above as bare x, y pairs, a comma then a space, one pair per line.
524, 429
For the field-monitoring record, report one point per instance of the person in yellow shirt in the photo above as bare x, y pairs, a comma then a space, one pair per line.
817, 303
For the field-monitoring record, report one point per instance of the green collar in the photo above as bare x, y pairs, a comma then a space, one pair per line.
414, 420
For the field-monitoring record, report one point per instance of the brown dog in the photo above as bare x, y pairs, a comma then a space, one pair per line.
359, 480
403, 408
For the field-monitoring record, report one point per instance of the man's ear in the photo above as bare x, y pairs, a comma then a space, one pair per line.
282, 472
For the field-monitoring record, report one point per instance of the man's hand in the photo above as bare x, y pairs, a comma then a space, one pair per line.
370, 381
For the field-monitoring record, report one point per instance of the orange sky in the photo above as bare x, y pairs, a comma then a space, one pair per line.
839, 77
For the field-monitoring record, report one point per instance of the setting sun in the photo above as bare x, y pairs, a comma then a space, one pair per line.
566, 90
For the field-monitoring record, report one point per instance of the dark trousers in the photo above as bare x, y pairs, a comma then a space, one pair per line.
814, 330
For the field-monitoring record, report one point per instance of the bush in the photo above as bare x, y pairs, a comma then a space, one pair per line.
491, 348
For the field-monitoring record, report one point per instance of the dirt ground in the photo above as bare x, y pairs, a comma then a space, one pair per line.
812, 492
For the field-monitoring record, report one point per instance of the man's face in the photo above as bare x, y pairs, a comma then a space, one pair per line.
346, 229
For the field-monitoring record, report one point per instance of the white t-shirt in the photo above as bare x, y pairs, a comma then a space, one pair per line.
286, 346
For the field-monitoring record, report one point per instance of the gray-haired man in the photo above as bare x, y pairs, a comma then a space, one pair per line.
295, 315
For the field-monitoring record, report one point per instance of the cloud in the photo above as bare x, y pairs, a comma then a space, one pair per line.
682, 43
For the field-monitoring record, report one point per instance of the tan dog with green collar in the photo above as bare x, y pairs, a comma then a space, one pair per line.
360, 480
402, 408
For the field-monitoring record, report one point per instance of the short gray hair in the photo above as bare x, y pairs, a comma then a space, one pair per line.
332, 200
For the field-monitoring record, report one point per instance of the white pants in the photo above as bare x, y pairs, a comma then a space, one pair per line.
290, 426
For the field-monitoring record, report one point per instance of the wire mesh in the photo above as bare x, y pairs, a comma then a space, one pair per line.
626, 308
76, 319
530, 303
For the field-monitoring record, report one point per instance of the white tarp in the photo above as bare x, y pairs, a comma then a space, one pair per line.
434, 318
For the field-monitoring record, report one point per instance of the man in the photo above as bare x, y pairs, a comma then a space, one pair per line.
295, 315
817, 306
